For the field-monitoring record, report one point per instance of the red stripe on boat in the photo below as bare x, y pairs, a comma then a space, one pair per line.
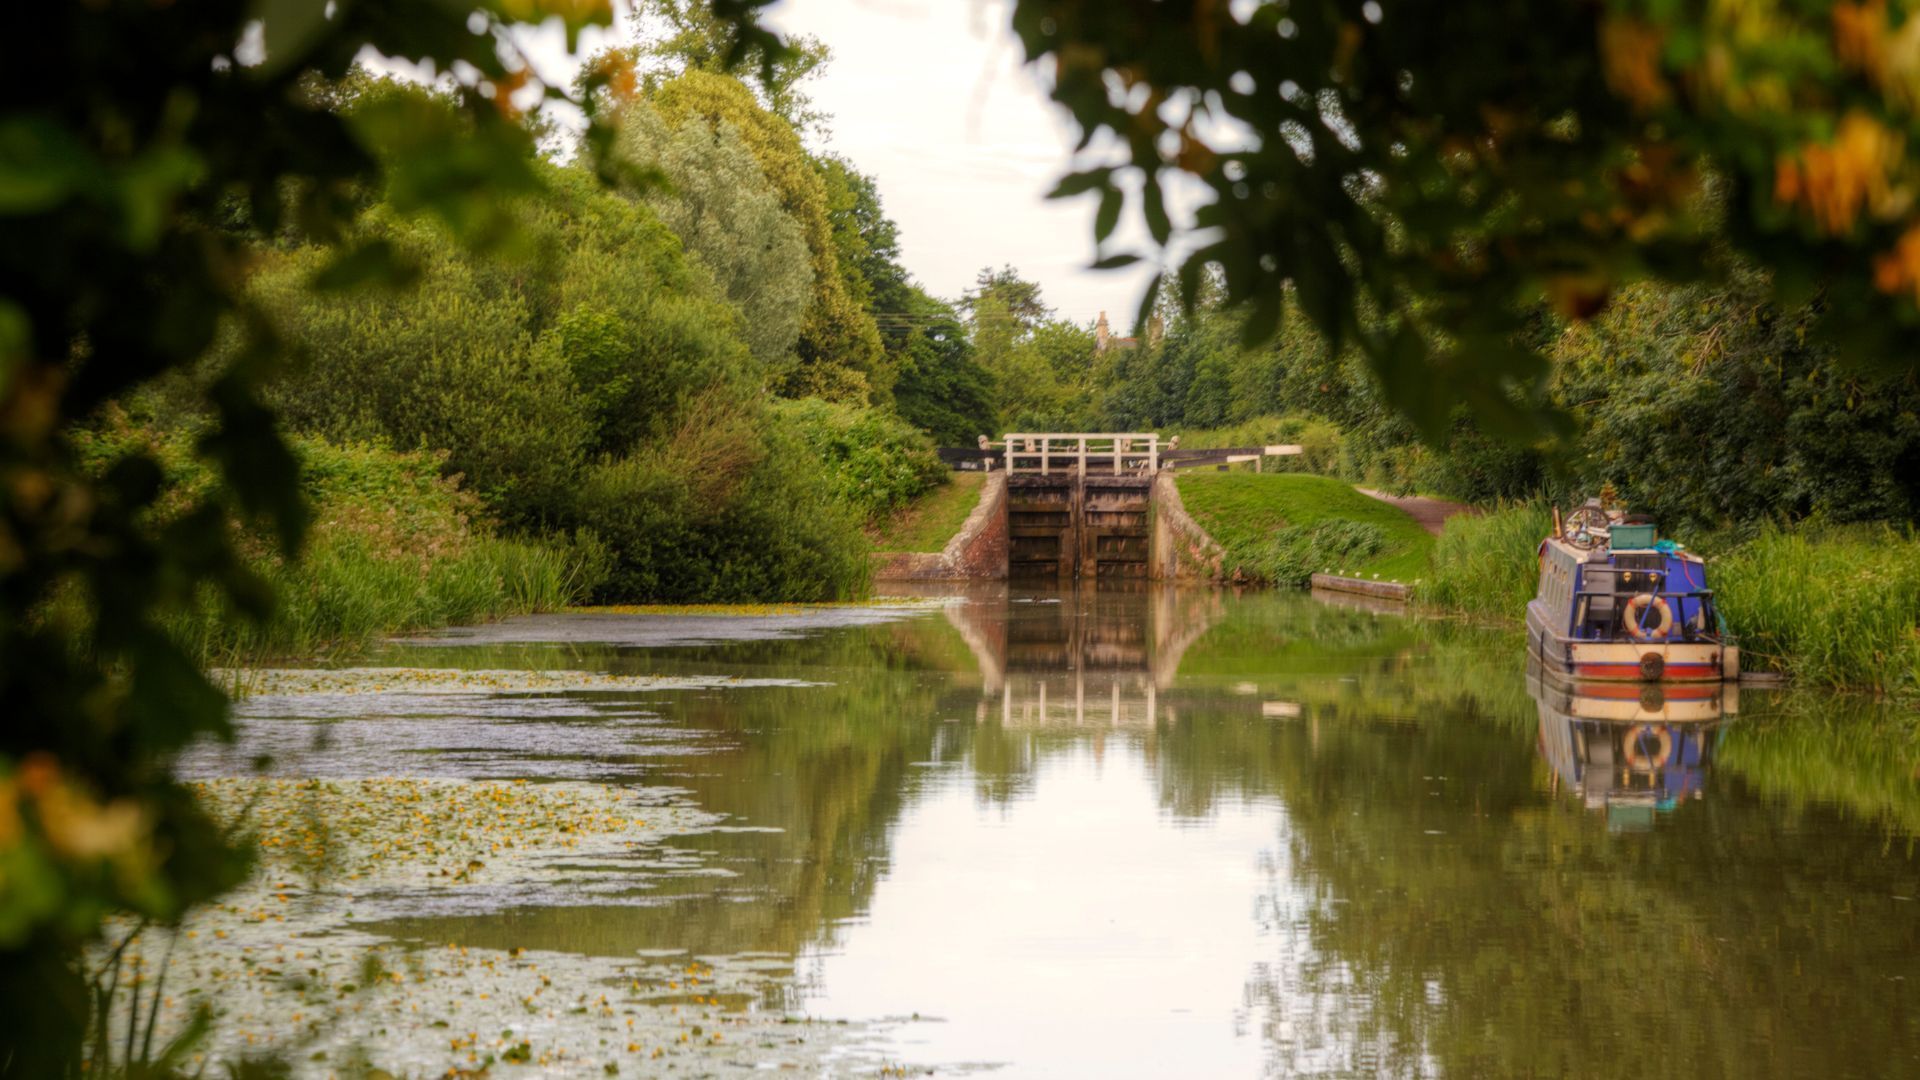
1632, 671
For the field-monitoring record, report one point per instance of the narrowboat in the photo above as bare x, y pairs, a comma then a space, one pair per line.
1618, 603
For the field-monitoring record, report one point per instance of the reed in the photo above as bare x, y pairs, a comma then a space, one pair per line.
343, 594
1831, 607
1487, 565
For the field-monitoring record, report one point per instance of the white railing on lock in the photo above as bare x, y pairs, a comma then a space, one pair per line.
1116, 453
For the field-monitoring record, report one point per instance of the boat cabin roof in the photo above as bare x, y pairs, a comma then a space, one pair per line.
1602, 552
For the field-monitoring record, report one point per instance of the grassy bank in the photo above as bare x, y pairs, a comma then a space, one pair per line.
1285, 528
927, 523
395, 547
1834, 607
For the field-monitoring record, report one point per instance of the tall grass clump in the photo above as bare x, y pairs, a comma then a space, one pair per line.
395, 546
1488, 564
1832, 607
345, 593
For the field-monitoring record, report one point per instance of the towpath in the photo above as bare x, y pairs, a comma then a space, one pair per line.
1430, 513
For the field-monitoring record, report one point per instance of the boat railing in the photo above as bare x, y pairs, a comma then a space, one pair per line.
1612, 624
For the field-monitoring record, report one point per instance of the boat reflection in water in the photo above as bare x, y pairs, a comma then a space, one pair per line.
1632, 750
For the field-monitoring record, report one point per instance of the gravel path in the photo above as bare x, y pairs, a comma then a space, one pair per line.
1430, 513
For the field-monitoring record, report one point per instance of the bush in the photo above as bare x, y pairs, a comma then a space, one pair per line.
876, 462
722, 517
448, 365
1488, 564
394, 547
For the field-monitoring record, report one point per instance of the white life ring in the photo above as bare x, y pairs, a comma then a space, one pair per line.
1639, 604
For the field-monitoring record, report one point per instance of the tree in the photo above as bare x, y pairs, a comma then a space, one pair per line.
731, 220
943, 389
1041, 365
699, 37
1418, 204
939, 386
1008, 295
839, 348
145, 146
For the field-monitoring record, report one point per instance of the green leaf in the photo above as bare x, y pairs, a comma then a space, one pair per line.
1146, 302
1263, 321
41, 165
1081, 182
1115, 262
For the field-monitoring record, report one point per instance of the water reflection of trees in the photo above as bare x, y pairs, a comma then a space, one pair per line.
1435, 905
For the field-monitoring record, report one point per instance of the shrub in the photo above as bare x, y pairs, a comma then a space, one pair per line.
713, 517
449, 365
875, 461
394, 547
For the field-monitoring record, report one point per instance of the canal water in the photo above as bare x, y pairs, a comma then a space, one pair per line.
1164, 833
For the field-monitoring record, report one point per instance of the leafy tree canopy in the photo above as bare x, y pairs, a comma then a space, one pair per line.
731, 220
143, 148
698, 37
839, 348
1443, 165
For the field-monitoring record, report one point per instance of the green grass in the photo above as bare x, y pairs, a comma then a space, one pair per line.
927, 523
343, 594
1487, 565
1284, 528
1832, 607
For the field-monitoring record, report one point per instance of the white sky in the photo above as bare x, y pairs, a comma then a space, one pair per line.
930, 99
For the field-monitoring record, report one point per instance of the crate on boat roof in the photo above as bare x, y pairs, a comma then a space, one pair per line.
1631, 537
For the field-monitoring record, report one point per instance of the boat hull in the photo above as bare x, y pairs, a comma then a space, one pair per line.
1628, 661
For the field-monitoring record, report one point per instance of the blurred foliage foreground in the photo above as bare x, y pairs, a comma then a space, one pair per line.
1417, 174
141, 145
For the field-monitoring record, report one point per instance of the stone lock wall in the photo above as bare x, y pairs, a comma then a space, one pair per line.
977, 552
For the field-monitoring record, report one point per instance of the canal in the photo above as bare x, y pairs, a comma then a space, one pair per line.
1132, 833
